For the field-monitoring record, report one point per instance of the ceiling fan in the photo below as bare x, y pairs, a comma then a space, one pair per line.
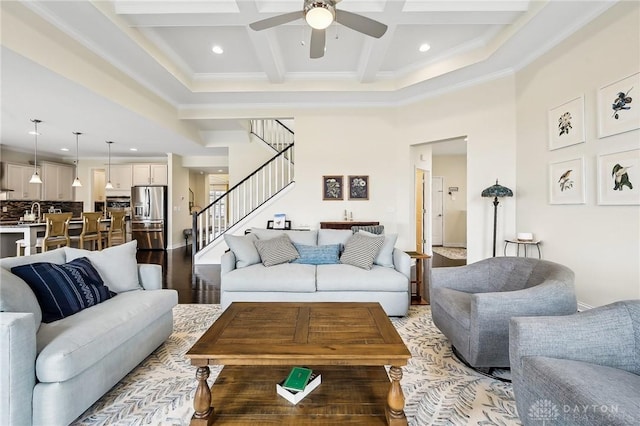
319, 14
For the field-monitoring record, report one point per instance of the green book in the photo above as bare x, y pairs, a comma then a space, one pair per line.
297, 379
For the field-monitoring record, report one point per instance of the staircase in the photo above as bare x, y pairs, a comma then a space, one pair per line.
248, 195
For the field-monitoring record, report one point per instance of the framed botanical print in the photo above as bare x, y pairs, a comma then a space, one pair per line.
566, 124
619, 178
332, 188
566, 182
619, 106
358, 187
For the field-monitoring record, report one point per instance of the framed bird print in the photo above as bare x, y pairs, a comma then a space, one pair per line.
619, 106
619, 178
566, 124
566, 182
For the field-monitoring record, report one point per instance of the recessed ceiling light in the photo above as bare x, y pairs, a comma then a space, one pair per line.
133, 149
217, 50
424, 47
220, 170
64, 149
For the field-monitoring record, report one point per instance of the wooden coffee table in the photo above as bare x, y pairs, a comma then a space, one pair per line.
348, 343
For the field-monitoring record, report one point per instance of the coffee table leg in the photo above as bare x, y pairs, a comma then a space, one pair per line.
395, 399
202, 398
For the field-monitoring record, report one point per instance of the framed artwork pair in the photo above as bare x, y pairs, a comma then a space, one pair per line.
618, 179
618, 111
333, 187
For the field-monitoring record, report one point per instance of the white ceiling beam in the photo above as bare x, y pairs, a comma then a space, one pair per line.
265, 45
374, 51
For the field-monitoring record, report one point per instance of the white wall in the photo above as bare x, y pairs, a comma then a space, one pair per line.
600, 243
485, 114
179, 217
380, 143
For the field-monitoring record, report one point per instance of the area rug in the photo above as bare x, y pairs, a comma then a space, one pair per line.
456, 253
439, 389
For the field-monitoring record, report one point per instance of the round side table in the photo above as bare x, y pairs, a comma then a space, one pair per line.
525, 244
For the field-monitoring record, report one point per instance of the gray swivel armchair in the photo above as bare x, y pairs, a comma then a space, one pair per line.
472, 304
580, 369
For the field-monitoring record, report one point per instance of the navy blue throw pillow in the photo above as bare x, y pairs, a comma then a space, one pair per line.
63, 290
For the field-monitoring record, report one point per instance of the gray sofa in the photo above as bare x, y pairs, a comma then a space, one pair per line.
50, 373
472, 304
245, 279
580, 369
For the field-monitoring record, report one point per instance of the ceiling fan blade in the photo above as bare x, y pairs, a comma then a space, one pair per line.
317, 43
361, 23
274, 21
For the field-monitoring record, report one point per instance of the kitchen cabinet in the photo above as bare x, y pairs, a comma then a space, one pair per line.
17, 178
120, 177
56, 182
150, 174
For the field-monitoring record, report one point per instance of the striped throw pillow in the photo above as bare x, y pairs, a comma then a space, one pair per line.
275, 251
360, 250
374, 229
63, 290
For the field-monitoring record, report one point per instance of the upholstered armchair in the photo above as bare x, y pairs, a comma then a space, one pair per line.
580, 369
472, 304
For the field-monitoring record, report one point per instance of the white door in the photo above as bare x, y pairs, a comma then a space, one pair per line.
437, 221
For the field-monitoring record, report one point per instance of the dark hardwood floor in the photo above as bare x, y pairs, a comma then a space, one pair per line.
201, 285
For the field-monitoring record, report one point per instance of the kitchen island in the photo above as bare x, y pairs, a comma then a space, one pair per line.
10, 233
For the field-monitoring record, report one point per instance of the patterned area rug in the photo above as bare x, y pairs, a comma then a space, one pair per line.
439, 389
456, 253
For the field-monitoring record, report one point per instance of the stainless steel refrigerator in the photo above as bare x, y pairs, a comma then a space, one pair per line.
148, 216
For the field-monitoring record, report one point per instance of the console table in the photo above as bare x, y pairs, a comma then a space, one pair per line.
345, 224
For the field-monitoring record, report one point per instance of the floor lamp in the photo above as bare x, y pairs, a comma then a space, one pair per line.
496, 191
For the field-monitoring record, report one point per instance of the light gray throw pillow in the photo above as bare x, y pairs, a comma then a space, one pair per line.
360, 250
243, 248
117, 265
275, 251
385, 256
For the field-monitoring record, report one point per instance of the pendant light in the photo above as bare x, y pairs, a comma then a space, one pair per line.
76, 182
35, 178
109, 185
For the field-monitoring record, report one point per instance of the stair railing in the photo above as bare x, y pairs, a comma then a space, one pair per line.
242, 199
273, 132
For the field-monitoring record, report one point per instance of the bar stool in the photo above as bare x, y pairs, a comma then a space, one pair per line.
90, 231
57, 231
117, 233
21, 244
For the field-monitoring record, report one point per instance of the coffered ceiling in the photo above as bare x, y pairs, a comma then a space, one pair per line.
166, 47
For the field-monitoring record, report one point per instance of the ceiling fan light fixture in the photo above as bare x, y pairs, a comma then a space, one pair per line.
320, 15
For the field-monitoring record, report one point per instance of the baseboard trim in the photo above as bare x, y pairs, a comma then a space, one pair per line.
460, 245
583, 307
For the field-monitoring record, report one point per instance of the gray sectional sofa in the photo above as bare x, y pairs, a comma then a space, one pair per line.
50, 373
244, 278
